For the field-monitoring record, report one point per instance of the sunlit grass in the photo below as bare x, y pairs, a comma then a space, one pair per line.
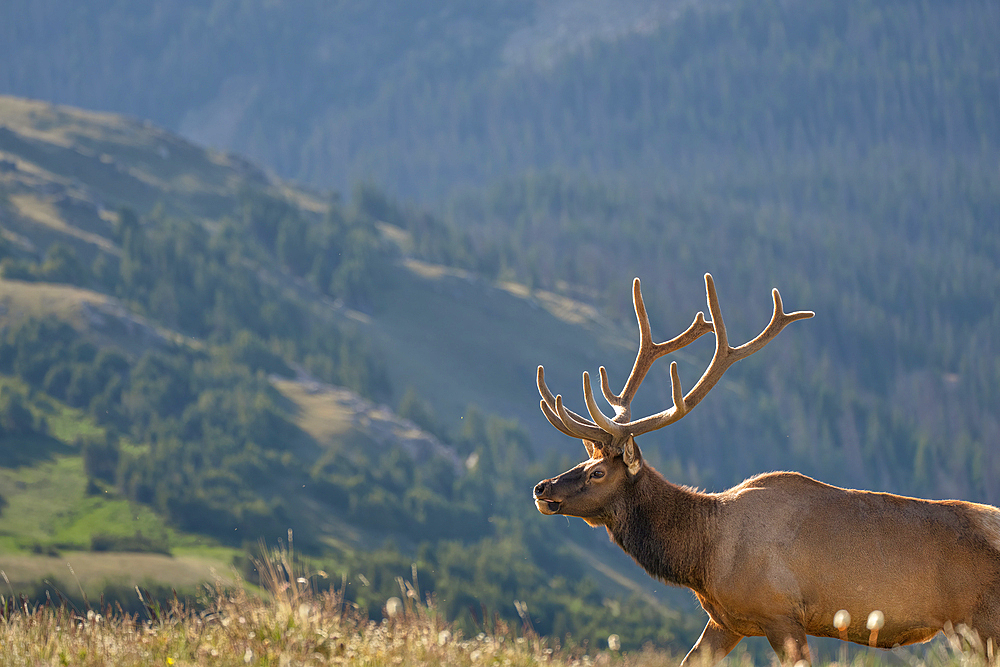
299, 624
295, 625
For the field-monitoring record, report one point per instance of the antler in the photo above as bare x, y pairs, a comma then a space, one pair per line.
610, 433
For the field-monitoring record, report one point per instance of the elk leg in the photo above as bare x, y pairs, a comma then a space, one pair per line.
986, 624
714, 644
788, 639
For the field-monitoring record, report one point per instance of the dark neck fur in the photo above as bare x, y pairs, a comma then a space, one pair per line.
665, 528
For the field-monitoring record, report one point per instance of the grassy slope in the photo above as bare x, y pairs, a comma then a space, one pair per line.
126, 161
72, 166
49, 511
458, 340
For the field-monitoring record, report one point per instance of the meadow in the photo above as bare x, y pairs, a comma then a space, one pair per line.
295, 619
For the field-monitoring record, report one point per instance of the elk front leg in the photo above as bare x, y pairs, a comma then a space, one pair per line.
788, 639
714, 644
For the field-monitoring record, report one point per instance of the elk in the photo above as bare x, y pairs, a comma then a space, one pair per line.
781, 554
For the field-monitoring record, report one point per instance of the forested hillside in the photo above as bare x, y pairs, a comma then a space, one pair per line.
438, 94
195, 358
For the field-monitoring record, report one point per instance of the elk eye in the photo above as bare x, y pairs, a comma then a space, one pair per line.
597, 474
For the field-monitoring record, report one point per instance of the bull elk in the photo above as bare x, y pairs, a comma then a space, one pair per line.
780, 554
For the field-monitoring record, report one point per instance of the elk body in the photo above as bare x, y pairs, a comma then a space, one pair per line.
780, 554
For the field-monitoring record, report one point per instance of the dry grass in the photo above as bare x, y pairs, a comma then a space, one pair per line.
43, 211
20, 300
295, 625
298, 625
92, 570
302, 627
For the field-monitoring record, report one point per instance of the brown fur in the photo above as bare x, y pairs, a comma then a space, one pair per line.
781, 553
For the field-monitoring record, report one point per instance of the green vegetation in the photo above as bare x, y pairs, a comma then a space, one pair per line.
158, 301
171, 442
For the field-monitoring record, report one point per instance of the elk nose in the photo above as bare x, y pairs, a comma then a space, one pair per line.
541, 487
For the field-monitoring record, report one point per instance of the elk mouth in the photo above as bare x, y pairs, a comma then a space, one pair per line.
547, 506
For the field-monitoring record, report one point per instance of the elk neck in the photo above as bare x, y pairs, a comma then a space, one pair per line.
665, 528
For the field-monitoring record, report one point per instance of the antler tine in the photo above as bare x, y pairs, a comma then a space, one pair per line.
581, 429
611, 397
645, 333
680, 407
607, 431
615, 430
555, 421
725, 356
779, 320
551, 401
566, 420
650, 351
721, 337
543, 388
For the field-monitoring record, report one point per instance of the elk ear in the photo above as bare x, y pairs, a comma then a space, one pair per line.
632, 456
591, 447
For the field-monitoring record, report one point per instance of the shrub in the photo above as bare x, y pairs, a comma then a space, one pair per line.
136, 543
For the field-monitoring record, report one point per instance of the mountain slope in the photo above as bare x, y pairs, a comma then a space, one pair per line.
68, 171
237, 382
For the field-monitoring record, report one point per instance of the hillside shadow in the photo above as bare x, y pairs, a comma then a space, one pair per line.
18, 451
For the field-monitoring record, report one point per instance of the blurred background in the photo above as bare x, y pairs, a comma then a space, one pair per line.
271, 265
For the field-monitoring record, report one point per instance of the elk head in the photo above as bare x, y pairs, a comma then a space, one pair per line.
591, 489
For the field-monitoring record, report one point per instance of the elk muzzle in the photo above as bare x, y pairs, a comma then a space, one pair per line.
543, 501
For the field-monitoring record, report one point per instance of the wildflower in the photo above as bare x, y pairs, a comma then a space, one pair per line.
393, 606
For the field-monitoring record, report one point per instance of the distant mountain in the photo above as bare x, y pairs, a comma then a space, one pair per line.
446, 94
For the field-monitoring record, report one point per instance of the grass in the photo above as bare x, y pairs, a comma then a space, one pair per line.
299, 624
46, 492
96, 571
122, 160
49, 521
23, 299
45, 213
240, 630
296, 624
